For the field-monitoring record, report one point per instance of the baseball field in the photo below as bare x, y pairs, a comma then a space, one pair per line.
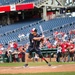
38, 68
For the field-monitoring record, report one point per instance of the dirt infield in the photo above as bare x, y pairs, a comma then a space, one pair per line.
37, 69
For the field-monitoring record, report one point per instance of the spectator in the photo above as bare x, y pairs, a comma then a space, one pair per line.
48, 44
16, 59
58, 53
15, 53
22, 52
8, 54
56, 41
68, 49
15, 45
1, 47
21, 37
64, 46
1, 52
11, 46
64, 36
72, 50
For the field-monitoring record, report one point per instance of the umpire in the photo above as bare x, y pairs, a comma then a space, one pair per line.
35, 40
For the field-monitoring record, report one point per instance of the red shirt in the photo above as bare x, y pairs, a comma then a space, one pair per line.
64, 47
15, 45
48, 44
71, 46
0, 52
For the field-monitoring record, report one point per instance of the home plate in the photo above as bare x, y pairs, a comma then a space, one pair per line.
36, 67
54, 67
60, 65
32, 67
17, 67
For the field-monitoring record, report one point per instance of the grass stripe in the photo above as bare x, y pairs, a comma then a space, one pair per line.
33, 64
55, 73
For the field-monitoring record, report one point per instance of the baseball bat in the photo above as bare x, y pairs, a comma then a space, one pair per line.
41, 29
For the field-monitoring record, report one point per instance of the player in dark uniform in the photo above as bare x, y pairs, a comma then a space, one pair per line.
35, 40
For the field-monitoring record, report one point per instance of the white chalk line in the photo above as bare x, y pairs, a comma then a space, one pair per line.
33, 67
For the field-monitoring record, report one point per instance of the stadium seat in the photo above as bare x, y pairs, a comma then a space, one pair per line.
11, 32
7, 2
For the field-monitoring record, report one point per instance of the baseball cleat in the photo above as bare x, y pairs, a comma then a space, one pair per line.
49, 64
26, 65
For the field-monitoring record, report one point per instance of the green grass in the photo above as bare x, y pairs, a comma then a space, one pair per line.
33, 64
55, 73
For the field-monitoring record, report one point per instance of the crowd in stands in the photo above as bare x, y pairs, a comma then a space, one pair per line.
64, 45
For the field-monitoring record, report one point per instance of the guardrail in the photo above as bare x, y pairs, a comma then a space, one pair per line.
45, 52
